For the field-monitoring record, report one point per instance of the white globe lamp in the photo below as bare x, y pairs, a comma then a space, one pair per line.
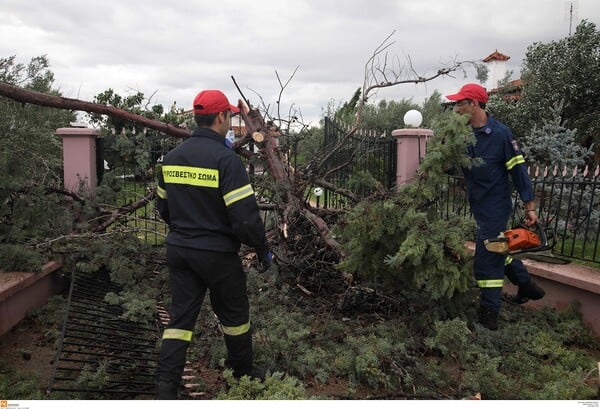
413, 118
318, 191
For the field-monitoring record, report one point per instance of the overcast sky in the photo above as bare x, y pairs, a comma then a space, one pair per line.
171, 49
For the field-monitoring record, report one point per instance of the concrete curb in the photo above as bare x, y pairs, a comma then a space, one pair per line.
22, 291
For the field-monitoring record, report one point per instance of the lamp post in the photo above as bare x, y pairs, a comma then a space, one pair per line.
413, 118
318, 191
411, 146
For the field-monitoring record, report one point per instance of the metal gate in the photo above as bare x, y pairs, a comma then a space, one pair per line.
100, 354
364, 151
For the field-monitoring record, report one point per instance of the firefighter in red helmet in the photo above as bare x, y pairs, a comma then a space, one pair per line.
205, 196
489, 187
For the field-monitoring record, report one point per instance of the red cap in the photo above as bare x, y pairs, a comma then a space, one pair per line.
212, 101
470, 91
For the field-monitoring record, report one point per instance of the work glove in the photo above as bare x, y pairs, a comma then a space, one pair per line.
265, 258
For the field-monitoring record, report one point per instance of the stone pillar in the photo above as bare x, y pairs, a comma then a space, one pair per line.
79, 157
412, 146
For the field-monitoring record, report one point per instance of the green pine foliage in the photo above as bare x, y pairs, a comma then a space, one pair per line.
138, 268
15, 385
402, 239
30, 167
18, 258
275, 387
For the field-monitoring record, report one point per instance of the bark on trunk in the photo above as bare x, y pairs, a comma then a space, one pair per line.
278, 166
52, 101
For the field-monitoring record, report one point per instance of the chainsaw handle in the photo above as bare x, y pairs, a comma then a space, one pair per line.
531, 218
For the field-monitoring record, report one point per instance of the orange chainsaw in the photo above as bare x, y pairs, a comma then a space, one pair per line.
520, 239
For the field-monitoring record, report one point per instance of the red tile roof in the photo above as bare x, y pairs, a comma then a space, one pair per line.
496, 56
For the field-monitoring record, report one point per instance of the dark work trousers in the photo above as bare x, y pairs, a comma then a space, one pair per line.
191, 273
490, 268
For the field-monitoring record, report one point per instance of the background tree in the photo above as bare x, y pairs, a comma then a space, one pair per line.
30, 165
552, 144
565, 71
386, 116
432, 109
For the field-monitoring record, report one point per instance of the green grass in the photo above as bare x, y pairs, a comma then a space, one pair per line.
574, 250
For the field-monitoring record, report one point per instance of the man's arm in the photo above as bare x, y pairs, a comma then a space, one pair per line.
242, 207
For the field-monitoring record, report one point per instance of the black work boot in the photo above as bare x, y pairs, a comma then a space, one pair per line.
239, 354
529, 291
488, 318
257, 373
166, 391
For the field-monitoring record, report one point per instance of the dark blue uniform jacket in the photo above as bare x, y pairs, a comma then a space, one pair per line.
488, 184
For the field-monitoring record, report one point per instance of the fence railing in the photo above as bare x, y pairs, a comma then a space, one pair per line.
364, 151
569, 203
568, 199
132, 181
569, 207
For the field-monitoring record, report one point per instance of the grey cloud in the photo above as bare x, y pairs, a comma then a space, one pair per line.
172, 49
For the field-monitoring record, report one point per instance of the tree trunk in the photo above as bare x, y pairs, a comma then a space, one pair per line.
285, 176
265, 135
52, 101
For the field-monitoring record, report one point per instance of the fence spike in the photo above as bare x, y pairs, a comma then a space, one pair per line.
597, 171
585, 171
555, 171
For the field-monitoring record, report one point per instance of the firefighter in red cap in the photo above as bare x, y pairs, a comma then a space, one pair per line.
205, 196
489, 190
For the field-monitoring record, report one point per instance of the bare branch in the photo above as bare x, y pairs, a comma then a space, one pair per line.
282, 88
123, 210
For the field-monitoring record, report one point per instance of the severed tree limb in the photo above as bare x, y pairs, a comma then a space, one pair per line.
113, 214
333, 188
53, 101
124, 210
285, 175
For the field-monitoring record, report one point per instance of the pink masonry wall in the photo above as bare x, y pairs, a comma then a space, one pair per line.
79, 156
412, 145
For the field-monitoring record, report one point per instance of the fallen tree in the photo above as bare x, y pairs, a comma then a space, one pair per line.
293, 208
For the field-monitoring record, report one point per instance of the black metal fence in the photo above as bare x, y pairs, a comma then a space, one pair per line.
569, 208
569, 203
100, 354
569, 199
132, 177
362, 152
